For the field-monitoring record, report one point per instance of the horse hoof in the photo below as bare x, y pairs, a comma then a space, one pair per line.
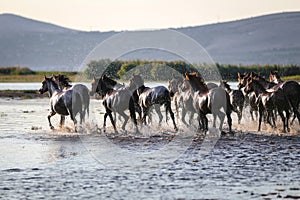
52, 127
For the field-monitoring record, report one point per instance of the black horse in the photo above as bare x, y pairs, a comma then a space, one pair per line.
148, 97
237, 99
114, 100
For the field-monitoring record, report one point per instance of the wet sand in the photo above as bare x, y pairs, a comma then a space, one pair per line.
36, 162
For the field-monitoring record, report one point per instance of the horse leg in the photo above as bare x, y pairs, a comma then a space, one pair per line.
200, 123
260, 118
221, 116
108, 112
240, 113
132, 109
168, 108
229, 120
283, 120
145, 113
214, 119
126, 118
205, 123
160, 116
191, 118
176, 107
269, 115
183, 113
73, 119
287, 116
49, 116
62, 121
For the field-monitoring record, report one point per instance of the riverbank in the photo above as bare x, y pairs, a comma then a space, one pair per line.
22, 94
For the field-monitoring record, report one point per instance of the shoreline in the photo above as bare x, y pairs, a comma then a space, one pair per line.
23, 94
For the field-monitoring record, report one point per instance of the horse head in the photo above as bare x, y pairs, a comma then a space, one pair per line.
61, 80
46, 85
274, 77
136, 81
95, 87
174, 84
196, 81
242, 80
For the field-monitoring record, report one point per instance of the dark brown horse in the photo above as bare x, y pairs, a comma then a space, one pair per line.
148, 97
291, 90
269, 101
237, 99
210, 101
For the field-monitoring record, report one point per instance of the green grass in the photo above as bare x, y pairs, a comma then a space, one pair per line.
38, 77
291, 78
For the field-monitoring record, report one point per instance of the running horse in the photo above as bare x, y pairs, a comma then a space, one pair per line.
237, 99
269, 101
175, 93
114, 100
291, 89
148, 97
209, 101
64, 84
61, 102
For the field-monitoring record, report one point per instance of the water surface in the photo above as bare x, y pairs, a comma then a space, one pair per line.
36, 162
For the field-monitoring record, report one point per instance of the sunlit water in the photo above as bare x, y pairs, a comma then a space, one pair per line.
36, 162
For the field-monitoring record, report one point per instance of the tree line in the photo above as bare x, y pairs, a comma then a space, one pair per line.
164, 70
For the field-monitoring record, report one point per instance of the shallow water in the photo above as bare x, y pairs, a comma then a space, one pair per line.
36, 162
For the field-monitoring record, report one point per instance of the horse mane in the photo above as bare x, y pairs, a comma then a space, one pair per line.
64, 80
225, 83
256, 82
196, 79
52, 81
108, 81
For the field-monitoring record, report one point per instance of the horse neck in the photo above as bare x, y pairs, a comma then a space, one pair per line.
201, 87
258, 88
53, 88
277, 80
264, 82
142, 88
227, 88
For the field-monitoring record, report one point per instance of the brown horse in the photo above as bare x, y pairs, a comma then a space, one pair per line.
148, 97
237, 99
209, 101
269, 101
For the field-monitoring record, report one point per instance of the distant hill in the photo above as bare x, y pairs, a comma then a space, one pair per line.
269, 39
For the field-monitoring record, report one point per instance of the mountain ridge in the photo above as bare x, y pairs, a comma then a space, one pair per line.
266, 39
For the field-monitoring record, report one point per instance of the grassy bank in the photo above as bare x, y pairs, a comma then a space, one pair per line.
228, 72
22, 94
27, 78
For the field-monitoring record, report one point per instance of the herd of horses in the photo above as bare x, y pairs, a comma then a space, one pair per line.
190, 94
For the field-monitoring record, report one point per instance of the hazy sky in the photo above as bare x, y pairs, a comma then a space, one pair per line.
105, 15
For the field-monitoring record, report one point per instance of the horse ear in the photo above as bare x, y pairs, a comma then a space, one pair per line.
45, 77
187, 76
